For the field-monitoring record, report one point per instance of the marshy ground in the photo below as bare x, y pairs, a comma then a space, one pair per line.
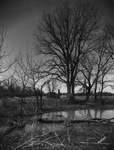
83, 136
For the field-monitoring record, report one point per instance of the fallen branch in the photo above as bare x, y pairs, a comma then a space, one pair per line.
95, 120
7, 131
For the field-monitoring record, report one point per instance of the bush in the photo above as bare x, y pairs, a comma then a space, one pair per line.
52, 95
71, 99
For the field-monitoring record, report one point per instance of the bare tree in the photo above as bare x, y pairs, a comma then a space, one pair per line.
105, 79
94, 68
104, 63
86, 77
23, 82
2, 49
48, 87
52, 85
65, 36
11, 84
33, 66
5, 64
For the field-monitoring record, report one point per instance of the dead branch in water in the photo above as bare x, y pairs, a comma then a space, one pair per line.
95, 120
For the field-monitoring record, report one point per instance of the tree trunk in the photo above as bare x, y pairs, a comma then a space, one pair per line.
37, 101
88, 94
68, 89
95, 91
22, 100
40, 104
72, 88
21, 106
101, 93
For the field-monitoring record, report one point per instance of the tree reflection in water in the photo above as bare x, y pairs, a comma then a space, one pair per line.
80, 114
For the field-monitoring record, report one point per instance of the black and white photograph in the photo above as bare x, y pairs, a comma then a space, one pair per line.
56, 75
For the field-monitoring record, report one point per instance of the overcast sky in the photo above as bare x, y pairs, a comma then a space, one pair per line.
21, 17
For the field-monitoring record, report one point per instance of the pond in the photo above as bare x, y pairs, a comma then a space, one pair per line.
84, 114
80, 114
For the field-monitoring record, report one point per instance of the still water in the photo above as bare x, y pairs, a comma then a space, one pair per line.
80, 114
84, 114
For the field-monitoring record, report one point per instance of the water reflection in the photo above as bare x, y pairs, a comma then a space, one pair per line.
71, 114
80, 114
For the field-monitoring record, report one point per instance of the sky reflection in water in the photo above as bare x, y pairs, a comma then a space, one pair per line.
80, 114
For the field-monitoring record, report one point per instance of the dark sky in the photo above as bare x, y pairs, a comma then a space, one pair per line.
12, 11
21, 17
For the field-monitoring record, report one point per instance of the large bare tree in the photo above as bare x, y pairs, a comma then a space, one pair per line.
65, 35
